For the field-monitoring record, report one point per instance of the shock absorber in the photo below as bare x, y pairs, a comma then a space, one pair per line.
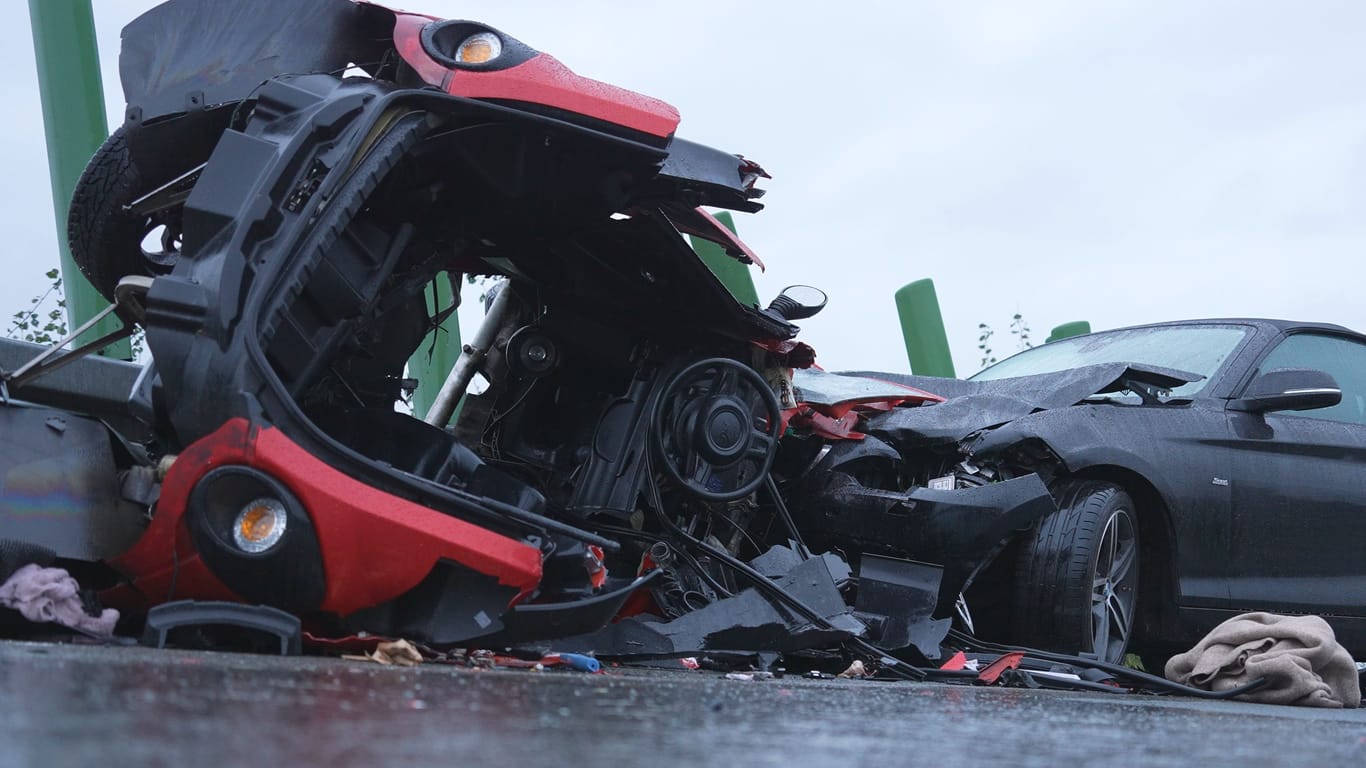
471, 359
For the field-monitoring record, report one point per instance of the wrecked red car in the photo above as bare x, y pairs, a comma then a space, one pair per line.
649, 468
271, 213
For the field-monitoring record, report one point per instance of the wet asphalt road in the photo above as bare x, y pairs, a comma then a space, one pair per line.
80, 705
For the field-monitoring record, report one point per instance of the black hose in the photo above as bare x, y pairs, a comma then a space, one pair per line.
781, 506
720, 588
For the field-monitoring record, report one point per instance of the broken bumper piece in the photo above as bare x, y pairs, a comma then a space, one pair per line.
922, 548
746, 621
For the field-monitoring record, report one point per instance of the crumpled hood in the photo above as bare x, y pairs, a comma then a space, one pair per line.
975, 405
221, 51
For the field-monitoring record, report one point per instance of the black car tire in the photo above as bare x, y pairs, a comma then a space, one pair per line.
105, 240
1077, 574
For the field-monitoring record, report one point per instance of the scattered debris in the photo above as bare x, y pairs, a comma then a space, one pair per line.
400, 653
855, 670
481, 659
958, 660
994, 670
575, 661
749, 677
747, 619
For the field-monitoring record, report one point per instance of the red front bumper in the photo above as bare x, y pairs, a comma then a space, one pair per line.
374, 546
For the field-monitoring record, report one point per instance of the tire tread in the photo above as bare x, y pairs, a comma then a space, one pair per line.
1054, 571
98, 232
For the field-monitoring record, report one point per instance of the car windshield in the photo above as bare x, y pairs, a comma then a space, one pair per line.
1198, 349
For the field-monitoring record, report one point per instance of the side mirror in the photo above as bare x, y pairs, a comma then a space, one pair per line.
1289, 389
797, 302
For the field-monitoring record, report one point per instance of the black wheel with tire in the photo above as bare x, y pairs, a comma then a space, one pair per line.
108, 242
1076, 582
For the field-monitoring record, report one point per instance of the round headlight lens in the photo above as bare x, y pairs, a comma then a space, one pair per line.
479, 49
260, 525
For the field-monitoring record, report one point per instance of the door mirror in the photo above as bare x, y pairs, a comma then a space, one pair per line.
1289, 389
797, 302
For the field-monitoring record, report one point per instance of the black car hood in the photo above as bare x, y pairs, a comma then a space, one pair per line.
970, 406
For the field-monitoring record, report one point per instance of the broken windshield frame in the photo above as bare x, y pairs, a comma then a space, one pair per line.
1198, 349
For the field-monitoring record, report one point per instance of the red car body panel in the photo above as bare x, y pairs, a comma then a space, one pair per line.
374, 546
722, 235
408, 40
541, 80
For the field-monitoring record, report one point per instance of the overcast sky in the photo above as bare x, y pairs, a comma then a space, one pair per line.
1117, 162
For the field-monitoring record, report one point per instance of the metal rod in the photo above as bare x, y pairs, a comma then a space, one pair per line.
168, 195
471, 359
46, 363
130, 305
18, 376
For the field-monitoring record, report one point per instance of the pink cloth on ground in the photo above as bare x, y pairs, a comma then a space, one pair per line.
52, 595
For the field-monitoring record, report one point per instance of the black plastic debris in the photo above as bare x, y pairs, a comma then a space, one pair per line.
748, 620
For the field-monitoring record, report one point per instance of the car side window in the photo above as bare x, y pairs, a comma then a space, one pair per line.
1343, 359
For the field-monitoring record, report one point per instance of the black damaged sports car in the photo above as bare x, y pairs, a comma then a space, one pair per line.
1201, 469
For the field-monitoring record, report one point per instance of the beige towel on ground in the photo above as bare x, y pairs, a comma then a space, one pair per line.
1298, 655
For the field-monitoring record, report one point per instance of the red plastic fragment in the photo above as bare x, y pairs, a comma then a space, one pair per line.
790, 352
597, 572
728, 239
824, 426
993, 671
347, 644
957, 661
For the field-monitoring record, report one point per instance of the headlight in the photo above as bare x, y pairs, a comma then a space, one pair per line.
257, 538
471, 46
480, 48
260, 525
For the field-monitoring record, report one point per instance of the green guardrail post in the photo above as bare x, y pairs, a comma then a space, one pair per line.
75, 124
1066, 330
922, 327
732, 274
434, 358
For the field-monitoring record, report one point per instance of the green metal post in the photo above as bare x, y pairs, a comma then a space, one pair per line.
922, 326
74, 121
433, 360
1066, 330
732, 274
